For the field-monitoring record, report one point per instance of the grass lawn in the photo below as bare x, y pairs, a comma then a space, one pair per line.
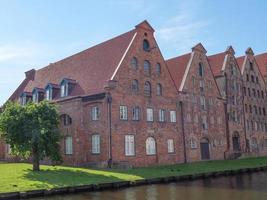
20, 177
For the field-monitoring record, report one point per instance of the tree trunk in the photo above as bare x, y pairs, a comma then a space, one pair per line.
35, 159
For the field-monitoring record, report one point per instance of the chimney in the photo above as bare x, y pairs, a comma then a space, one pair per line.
30, 74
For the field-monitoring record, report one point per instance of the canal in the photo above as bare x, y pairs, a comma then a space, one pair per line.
239, 187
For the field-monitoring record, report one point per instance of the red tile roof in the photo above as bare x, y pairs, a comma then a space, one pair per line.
261, 60
216, 63
91, 68
240, 61
177, 67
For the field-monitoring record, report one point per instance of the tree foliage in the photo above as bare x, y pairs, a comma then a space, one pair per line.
32, 130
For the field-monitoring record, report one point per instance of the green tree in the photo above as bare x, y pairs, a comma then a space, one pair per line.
32, 131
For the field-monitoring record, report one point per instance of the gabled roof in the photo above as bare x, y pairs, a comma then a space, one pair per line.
177, 68
261, 60
91, 68
216, 63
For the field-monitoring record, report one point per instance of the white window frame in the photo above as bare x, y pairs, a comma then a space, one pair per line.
170, 145
150, 146
64, 90
173, 118
162, 115
68, 145
96, 144
123, 113
193, 143
35, 97
149, 114
129, 145
95, 113
136, 113
48, 94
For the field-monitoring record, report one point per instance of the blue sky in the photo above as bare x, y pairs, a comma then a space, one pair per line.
36, 33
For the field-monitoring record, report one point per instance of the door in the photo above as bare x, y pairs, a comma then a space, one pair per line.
236, 145
205, 149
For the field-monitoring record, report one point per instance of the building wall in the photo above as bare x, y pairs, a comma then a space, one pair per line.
230, 85
123, 95
256, 126
194, 113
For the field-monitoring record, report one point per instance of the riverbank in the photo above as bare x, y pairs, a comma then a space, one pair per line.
18, 177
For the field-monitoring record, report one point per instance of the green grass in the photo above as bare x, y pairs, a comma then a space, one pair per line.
20, 177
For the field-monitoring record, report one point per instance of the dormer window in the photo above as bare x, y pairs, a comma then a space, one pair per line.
66, 87
48, 93
51, 90
37, 95
25, 97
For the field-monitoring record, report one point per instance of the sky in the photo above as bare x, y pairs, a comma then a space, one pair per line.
36, 33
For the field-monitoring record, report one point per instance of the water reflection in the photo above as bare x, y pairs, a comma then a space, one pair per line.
245, 187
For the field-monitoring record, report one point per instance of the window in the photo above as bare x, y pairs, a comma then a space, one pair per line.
250, 108
204, 122
48, 93
68, 145
254, 92
193, 143
262, 94
161, 115
158, 69
96, 144
135, 85
66, 120
129, 145
188, 117
134, 63
201, 85
246, 107
258, 92
123, 113
249, 92
146, 45
147, 89
193, 81
252, 78
196, 119
35, 96
200, 70
64, 89
149, 115
173, 116
170, 144
150, 146
159, 89
136, 113
247, 77
257, 80
255, 110
147, 67
203, 102
263, 111
95, 113
251, 65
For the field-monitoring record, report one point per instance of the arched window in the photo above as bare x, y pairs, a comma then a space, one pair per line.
145, 45
147, 89
134, 63
135, 85
150, 146
201, 70
66, 120
158, 69
147, 67
159, 89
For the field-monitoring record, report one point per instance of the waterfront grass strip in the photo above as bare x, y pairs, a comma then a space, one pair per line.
19, 176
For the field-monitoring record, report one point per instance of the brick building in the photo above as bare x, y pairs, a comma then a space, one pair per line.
120, 102
202, 108
254, 91
230, 83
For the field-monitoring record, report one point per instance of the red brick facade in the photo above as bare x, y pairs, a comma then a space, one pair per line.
122, 103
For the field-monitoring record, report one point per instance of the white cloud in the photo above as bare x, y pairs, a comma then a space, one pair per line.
183, 31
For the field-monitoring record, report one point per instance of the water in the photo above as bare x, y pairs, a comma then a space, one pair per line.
240, 187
